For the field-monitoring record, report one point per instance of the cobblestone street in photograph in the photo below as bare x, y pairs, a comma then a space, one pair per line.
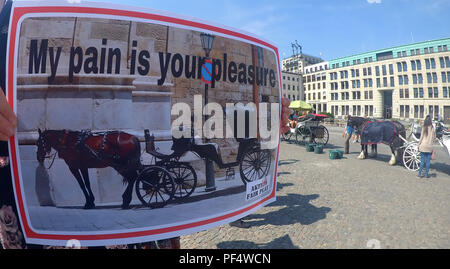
345, 203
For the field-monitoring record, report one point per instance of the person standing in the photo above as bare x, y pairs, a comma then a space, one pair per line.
427, 138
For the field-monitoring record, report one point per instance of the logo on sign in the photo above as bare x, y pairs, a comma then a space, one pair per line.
257, 188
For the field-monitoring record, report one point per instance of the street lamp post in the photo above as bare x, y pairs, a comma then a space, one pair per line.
207, 42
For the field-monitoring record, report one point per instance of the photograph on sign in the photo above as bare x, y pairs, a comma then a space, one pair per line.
137, 126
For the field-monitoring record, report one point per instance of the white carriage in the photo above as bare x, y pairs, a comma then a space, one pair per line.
411, 154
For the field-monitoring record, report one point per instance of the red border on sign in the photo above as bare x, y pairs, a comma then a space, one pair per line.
17, 14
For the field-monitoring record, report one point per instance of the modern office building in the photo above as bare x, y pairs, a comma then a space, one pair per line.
292, 85
296, 63
403, 82
316, 86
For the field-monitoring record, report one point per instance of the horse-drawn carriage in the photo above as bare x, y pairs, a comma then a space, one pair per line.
411, 154
166, 179
308, 128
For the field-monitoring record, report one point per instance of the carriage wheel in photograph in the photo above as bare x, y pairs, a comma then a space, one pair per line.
411, 157
321, 135
185, 178
155, 187
255, 164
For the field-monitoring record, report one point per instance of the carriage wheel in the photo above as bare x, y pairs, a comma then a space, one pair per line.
323, 140
155, 187
286, 136
255, 164
185, 178
411, 157
302, 134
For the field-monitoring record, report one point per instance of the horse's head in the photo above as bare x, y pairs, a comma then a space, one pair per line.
43, 146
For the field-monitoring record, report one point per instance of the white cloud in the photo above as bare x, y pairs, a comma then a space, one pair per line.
374, 1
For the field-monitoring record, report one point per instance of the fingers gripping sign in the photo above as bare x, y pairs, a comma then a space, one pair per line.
8, 120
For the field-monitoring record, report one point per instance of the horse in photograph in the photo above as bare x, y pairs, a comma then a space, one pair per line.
374, 132
84, 150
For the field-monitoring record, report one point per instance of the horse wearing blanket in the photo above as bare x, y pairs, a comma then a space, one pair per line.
374, 132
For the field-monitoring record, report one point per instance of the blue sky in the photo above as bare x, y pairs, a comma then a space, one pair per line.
331, 28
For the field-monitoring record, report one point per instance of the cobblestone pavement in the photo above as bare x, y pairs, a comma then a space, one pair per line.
323, 203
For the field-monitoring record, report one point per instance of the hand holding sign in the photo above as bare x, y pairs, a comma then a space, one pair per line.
8, 121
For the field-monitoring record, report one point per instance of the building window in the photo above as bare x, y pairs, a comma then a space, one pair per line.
399, 67
419, 65
413, 65
435, 77
420, 92
435, 92
369, 71
405, 67
430, 92
377, 71
406, 93
405, 79
385, 82
402, 111
401, 94
427, 63
391, 69
441, 61
378, 83
433, 63
417, 51
445, 92
400, 80
416, 92
406, 111
420, 79
384, 70
426, 50
414, 79
428, 77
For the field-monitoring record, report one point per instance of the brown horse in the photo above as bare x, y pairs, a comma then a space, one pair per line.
83, 150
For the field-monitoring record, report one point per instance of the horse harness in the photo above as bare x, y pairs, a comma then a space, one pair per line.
100, 154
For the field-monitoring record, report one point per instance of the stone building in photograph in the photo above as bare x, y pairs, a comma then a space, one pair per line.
99, 74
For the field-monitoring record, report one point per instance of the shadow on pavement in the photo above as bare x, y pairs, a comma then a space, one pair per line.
297, 210
280, 186
441, 167
283, 173
287, 162
283, 242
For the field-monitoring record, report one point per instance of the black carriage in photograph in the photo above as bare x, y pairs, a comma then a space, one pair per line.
253, 162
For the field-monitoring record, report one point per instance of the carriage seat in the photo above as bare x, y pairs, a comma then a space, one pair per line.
199, 142
150, 147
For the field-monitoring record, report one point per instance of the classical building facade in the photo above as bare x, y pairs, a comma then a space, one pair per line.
292, 85
403, 82
316, 86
